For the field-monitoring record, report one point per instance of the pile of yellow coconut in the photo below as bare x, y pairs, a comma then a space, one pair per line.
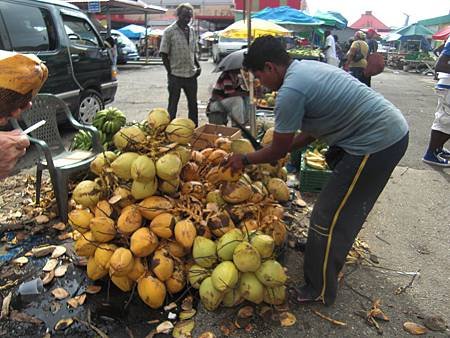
161, 215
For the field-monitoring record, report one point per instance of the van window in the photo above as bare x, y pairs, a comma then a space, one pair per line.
80, 32
30, 28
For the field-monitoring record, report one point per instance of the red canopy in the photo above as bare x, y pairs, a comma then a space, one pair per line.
442, 34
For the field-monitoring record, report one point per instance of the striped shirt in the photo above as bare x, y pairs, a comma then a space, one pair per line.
181, 52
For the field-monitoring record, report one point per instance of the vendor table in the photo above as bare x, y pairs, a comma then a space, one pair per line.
420, 66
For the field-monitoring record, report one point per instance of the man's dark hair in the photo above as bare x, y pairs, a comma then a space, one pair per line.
265, 49
186, 5
327, 32
335, 38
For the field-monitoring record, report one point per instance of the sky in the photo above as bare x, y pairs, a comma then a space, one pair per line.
390, 12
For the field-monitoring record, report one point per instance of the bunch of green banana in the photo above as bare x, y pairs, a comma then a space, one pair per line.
83, 140
109, 120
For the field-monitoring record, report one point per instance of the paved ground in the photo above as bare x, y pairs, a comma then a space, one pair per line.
408, 229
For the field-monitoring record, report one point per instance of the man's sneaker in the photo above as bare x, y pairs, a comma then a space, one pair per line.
435, 158
445, 153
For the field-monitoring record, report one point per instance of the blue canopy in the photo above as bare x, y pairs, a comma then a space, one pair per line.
286, 15
134, 31
332, 19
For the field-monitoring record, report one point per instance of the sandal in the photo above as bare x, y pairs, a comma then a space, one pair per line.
301, 295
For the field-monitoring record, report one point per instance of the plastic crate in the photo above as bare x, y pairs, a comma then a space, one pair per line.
312, 180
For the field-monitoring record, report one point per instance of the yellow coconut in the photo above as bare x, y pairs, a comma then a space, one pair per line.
282, 174
168, 167
236, 192
176, 282
143, 169
163, 225
185, 233
123, 283
103, 255
225, 276
103, 208
217, 156
138, 270
275, 295
121, 166
152, 291
143, 242
209, 295
130, 219
264, 244
183, 152
123, 196
153, 206
103, 229
220, 224
176, 249
223, 143
180, 130
241, 146
141, 190
87, 193
169, 187
158, 119
162, 265
128, 137
190, 172
271, 274
279, 189
251, 288
275, 228
101, 161
268, 136
197, 157
121, 262
85, 245
197, 274
93, 271
246, 257
80, 219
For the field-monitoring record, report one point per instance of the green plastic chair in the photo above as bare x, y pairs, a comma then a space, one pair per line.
53, 156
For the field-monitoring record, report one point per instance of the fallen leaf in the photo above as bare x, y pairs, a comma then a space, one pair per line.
77, 301
41, 219
42, 251
72, 302
414, 328
60, 293
187, 314
246, 312
59, 251
266, 313
48, 277
61, 270
55, 307
63, 324
5, 306
50, 265
164, 327
187, 303
183, 329
287, 319
20, 261
65, 236
378, 314
227, 328
207, 335
93, 289
23, 317
59, 226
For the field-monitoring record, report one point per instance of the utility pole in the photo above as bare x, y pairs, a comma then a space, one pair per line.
406, 19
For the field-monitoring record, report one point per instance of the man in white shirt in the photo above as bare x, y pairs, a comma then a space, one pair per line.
330, 49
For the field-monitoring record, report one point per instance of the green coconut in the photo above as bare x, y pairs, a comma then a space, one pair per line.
121, 166
158, 119
271, 273
225, 276
87, 193
99, 163
143, 169
251, 288
204, 252
169, 187
279, 189
236, 192
168, 167
246, 257
232, 298
183, 152
275, 295
209, 295
180, 130
215, 197
141, 190
227, 243
127, 137
264, 244
197, 274
241, 146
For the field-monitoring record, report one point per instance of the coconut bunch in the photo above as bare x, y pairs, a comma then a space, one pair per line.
238, 266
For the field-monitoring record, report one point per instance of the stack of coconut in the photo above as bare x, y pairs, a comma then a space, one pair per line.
158, 211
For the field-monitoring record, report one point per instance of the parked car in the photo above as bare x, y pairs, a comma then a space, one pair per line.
224, 46
60, 34
126, 49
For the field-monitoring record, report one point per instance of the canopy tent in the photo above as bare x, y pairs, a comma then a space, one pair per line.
332, 19
286, 15
443, 34
415, 29
239, 29
134, 31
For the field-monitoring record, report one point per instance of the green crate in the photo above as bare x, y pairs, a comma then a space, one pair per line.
312, 180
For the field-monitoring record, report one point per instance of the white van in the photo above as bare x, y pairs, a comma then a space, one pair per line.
225, 46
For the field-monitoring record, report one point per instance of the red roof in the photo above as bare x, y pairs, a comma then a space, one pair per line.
367, 20
442, 34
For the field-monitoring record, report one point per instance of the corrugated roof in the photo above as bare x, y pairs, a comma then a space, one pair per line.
439, 20
368, 20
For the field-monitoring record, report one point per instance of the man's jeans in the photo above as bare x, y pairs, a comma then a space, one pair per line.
189, 86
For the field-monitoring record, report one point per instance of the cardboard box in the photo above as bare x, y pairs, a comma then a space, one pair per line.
205, 135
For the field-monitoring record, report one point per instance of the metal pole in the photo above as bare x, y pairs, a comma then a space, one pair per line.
252, 111
146, 38
108, 21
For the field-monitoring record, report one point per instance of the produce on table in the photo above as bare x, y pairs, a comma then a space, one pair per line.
315, 157
159, 215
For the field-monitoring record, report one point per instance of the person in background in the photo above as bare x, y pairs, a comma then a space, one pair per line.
330, 49
339, 52
111, 44
179, 55
373, 47
357, 57
436, 153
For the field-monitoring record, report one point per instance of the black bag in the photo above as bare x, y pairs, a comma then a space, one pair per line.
358, 54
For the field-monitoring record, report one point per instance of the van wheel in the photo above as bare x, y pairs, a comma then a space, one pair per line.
90, 103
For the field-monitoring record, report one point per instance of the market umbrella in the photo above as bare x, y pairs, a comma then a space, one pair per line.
414, 29
443, 34
332, 19
238, 30
286, 15
231, 62
133, 31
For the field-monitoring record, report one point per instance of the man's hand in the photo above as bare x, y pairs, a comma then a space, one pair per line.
13, 145
234, 162
198, 72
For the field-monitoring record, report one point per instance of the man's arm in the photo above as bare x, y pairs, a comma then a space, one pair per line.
442, 64
166, 62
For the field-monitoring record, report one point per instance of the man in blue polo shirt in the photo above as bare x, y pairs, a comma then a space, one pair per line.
367, 136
